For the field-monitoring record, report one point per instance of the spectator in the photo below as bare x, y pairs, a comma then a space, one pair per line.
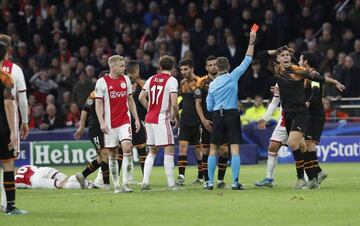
331, 114
253, 82
63, 53
66, 99
73, 116
354, 16
153, 14
356, 54
232, 52
51, 120
349, 76
327, 42
65, 81
255, 113
183, 46
82, 89
329, 62
42, 85
172, 26
36, 115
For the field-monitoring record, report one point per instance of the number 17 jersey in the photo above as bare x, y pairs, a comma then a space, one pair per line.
159, 88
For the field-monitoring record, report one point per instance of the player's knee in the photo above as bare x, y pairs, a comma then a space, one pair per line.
274, 147
294, 145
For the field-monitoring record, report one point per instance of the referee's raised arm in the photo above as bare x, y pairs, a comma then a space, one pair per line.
240, 70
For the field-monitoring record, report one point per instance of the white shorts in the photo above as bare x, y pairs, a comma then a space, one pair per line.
159, 134
115, 135
279, 134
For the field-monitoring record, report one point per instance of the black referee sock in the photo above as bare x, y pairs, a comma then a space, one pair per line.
119, 158
105, 172
308, 166
142, 156
182, 162
93, 166
315, 162
205, 167
9, 186
200, 169
299, 163
222, 165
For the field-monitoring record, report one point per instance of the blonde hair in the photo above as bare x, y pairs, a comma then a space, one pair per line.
6, 39
114, 58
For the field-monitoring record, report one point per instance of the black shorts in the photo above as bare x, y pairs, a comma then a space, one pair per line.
205, 136
296, 121
190, 133
138, 138
226, 127
97, 138
5, 153
314, 128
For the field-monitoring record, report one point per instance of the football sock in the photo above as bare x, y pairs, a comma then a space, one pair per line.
299, 163
94, 165
9, 185
222, 165
235, 168
271, 164
182, 162
142, 156
169, 166
149, 162
211, 168
114, 171
308, 166
3, 194
200, 169
315, 162
105, 172
119, 158
205, 166
126, 167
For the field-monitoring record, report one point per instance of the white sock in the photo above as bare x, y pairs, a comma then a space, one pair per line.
72, 185
99, 178
149, 162
3, 194
169, 169
130, 177
271, 164
126, 168
114, 171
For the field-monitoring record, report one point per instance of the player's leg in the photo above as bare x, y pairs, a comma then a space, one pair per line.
139, 142
41, 180
2, 190
142, 155
112, 143
222, 165
184, 138
149, 161
198, 154
120, 157
105, 171
214, 149
205, 143
169, 152
125, 137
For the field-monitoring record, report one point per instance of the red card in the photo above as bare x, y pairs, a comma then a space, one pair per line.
254, 28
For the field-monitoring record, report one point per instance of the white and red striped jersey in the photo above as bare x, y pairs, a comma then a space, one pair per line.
23, 175
114, 93
159, 88
17, 74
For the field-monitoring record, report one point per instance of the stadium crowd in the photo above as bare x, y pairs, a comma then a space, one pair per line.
63, 45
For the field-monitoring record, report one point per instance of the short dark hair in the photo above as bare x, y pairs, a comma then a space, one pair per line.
131, 65
186, 62
311, 59
166, 63
211, 57
222, 63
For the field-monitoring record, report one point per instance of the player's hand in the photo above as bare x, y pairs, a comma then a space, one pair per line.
137, 126
340, 86
307, 103
274, 90
208, 125
252, 38
13, 142
261, 124
79, 132
104, 128
24, 131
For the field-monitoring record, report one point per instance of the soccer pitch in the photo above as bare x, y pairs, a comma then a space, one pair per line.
336, 203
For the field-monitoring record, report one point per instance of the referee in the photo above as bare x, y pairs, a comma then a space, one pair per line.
222, 101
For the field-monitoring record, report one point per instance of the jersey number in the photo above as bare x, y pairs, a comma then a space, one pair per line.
155, 94
21, 172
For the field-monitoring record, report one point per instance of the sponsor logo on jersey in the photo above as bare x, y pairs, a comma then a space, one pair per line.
117, 94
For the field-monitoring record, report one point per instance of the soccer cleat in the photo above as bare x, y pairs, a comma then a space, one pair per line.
99, 182
208, 186
300, 183
81, 179
145, 187
16, 211
221, 184
117, 189
322, 175
266, 182
174, 188
126, 189
237, 187
106, 187
311, 184
180, 180
197, 182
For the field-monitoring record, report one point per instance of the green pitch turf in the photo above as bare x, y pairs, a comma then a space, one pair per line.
336, 203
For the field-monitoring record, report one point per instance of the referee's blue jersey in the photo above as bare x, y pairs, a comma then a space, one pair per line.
223, 91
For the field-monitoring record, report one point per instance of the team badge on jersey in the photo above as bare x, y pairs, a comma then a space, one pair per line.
123, 85
89, 101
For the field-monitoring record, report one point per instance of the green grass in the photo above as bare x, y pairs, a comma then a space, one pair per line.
336, 203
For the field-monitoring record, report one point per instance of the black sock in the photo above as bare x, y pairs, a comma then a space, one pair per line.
93, 166
308, 165
222, 165
299, 163
142, 156
205, 167
315, 162
119, 158
105, 172
182, 162
200, 169
9, 186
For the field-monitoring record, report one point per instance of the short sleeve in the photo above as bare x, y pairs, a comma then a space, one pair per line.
128, 85
173, 85
100, 89
90, 101
146, 86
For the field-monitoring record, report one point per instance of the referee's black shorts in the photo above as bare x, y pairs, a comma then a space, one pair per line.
226, 127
